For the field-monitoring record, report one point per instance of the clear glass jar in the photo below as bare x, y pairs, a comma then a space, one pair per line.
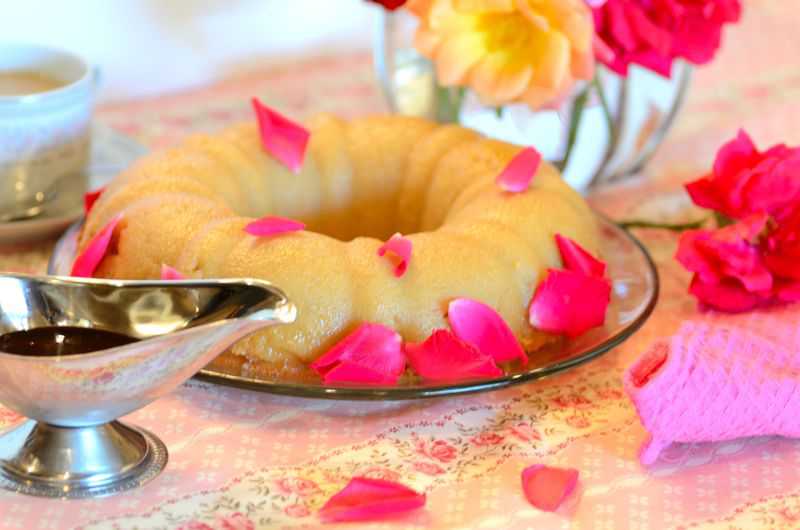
622, 121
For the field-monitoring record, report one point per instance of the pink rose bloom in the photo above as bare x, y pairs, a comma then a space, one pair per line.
757, 260
653, 33
298, 486
487, 438
730, 273
745, 181
442, 451
428, 468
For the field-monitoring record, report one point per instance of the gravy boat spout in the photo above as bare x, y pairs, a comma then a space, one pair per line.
181, 326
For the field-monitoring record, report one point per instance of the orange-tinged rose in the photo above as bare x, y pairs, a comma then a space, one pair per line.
529, 51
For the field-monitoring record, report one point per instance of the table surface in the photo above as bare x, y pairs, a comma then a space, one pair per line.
275, 460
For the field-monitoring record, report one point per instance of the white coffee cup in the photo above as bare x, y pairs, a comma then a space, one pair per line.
44, 136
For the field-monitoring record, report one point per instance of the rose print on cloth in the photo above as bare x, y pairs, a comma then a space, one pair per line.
525, 432
467, 443
235, 521
298, 486
438, 450
428, 468
381, 473
487, 438
297, 510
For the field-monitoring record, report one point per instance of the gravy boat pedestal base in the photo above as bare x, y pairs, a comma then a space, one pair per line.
79, 462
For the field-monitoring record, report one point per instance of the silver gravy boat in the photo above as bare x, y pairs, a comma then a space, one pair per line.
72, 446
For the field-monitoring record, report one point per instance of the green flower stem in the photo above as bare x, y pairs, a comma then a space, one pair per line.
448, 103
674, 227
578, 106
722, 220
601, 95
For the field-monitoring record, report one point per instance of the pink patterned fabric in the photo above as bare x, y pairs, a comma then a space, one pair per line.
240, 459
720, 378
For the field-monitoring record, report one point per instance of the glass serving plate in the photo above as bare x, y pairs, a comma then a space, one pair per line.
633, 297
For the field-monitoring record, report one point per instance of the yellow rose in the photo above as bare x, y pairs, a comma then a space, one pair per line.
529, 51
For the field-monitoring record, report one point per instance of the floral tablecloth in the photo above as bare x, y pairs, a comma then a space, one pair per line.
241, 459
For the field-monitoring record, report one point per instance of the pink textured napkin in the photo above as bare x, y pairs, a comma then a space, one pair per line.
720, 377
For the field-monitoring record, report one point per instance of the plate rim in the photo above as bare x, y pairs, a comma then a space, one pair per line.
444, 390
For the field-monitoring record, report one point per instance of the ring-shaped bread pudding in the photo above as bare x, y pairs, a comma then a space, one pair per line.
361, 182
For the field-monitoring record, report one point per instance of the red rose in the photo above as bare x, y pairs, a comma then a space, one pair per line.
653, 33
442, 451
730, 273
742, 266
756, 260
391, 5
745, 181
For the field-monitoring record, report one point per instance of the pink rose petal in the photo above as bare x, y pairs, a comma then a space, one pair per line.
602, 50
445, 357
90, 197
703, 192
518, 174
727, 295
169, 273
736, 155
481, 326
281, 137
272, 226
401, 248
346, 372
788, 291
577, 259
369, 499
547, 487
371, 355
86, 263
569, 302
647, 367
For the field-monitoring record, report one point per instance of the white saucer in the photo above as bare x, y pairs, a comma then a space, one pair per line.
112, 152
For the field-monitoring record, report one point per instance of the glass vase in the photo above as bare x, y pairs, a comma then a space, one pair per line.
605, 131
